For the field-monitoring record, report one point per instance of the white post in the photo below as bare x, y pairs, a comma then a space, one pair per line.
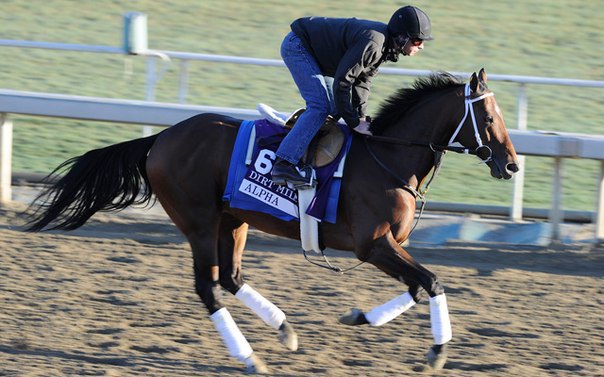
555, 215
600, 210
6, 154
518, 191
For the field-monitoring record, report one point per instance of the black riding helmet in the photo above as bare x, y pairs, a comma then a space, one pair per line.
411, 22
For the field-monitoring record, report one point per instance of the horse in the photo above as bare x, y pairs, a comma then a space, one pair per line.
185, 166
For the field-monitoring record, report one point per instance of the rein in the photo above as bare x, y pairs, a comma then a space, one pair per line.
328, 265
439, 150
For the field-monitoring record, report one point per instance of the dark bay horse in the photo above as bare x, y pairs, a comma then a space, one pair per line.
186, 167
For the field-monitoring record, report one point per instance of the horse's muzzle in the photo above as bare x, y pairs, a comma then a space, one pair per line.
501, 171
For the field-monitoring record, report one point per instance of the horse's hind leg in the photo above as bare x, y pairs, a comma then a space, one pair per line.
208, 288
200, 224
233, 234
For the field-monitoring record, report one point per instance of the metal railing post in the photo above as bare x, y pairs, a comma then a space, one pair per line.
555, 215
6, 154
518, 190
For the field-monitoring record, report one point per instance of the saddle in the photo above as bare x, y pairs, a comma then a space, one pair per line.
314, 203
325, 146
327, 143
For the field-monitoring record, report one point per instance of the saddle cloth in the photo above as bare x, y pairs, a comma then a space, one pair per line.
249, 185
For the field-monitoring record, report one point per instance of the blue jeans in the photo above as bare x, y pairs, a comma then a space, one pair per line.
317, 91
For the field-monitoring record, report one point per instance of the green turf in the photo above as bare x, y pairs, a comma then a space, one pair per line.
545, 38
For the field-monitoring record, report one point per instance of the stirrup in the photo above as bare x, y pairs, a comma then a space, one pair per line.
309, 173
306, 178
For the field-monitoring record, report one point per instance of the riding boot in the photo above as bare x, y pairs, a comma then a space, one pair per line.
284, 171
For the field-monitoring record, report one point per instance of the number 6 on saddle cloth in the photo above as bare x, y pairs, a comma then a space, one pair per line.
249, 185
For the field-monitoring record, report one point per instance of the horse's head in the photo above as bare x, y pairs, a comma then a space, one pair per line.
483, 129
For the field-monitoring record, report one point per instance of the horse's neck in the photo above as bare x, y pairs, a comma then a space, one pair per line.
433, 122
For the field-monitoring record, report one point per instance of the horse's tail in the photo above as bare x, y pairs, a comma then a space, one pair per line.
104, 179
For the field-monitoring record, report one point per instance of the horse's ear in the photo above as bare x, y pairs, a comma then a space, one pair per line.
482, 75
474, 82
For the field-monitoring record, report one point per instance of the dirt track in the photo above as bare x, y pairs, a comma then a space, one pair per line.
116, 298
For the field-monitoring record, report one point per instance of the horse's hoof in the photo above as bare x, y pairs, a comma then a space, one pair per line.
288, 337
437, 356
255, 366
353, 317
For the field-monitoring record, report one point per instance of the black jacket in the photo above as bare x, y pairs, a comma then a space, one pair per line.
349, 50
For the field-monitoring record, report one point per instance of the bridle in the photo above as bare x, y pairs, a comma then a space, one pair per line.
470, 110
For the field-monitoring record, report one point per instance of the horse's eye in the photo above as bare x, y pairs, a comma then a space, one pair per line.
489, 119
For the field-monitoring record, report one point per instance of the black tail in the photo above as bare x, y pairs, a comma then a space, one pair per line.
105, 179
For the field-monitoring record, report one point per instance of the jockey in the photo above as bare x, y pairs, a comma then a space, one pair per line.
332, 62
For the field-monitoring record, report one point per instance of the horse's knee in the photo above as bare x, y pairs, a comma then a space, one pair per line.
231, 283
426, 281
210, 294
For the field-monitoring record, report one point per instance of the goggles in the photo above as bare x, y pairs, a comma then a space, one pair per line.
416, 42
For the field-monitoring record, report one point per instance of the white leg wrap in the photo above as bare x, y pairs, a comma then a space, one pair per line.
266, 310
439, 317
231, 335
390, 310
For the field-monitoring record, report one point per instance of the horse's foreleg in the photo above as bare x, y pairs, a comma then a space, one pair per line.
233, 234
380, 315
389, 257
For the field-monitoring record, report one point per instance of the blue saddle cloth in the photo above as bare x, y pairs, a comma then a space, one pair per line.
249, 185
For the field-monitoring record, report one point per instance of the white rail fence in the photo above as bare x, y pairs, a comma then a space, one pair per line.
554, 145
138, 38
136, 44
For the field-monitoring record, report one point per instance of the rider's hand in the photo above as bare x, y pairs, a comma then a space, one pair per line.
363, 127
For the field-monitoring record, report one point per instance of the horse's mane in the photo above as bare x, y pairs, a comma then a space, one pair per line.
404, 99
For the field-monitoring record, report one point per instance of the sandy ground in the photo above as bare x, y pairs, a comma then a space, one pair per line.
116, 298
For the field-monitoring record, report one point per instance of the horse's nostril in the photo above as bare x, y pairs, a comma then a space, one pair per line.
512, 167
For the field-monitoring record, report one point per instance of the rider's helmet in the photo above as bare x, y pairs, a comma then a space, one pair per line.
411, 22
